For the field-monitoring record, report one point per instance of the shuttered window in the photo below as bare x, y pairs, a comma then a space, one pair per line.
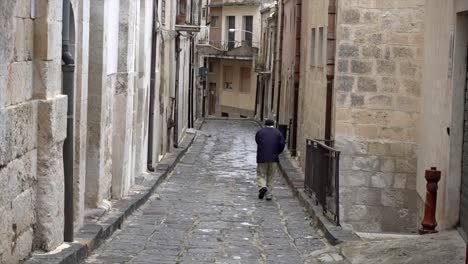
244, 80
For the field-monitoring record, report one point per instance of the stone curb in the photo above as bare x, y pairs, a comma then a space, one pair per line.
334, 234
94, 232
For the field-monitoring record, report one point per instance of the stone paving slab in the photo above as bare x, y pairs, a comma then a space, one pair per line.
207, 211
446, 247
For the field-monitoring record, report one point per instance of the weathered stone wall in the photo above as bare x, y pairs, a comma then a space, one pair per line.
123, 101
378, 87
32, 129
80, 43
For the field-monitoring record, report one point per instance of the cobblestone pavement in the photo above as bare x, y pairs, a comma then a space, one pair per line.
208, 212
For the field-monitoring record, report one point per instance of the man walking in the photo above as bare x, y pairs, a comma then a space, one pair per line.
270, 144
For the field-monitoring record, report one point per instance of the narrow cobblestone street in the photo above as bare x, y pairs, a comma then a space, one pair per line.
208, 212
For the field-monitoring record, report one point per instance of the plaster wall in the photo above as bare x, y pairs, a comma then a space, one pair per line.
443, 106
313, 79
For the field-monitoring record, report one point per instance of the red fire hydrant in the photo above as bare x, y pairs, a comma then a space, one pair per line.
429, 222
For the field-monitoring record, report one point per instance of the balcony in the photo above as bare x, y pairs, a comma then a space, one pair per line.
245, 49
219, 3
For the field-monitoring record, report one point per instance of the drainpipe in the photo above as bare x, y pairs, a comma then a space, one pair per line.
191, 73
176, 93
280, 65
205, 88
68, 71
256, 98
154, 38
296, 78
192, 78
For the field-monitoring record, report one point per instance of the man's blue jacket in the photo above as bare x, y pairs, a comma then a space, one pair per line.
270, 144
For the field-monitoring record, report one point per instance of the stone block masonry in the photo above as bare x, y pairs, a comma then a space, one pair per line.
32, 129
379, 55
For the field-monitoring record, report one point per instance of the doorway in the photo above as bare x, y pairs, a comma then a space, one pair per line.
212, 99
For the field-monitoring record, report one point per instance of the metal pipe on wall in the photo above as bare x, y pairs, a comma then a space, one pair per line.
280, 65
296, 79
154, 38
68, 72
176, 93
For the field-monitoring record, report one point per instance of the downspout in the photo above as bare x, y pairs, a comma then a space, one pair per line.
256, 97
176, 93
205, 88
68, 72
279, 59
192, 78
191, 73
296, 78
154, 38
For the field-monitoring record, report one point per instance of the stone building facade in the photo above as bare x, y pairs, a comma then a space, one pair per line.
397, 72
229, 53
123, 85
266, 62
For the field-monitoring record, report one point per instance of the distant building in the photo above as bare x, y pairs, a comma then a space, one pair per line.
229, 52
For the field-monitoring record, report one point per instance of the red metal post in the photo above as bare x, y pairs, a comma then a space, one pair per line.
429, 222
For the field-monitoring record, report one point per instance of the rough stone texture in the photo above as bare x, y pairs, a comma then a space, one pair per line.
81, 54
50, 174
447, 247
219, 219
99, 120
122, 175
374, 39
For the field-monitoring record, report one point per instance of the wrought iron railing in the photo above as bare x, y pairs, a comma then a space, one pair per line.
228, 45
322, 177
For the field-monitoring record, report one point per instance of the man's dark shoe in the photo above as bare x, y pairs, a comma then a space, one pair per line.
261, 192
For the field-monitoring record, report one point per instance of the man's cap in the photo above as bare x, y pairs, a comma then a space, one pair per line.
269, 122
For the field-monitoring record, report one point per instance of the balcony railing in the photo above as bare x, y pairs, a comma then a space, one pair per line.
228, 45
322, 177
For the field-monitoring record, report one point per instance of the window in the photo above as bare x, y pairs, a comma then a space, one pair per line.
320, 48
317, 47
231, 35
228, 72
248, 30
163, 12
244, 80
203, 12
182, 8
214, 21
312, 47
